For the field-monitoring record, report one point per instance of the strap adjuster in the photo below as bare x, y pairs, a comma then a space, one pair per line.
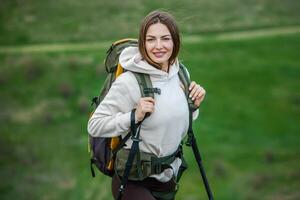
135, 139
157, 168
152, 90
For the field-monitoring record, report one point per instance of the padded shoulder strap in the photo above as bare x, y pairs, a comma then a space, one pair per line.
184, 77
185, 80
145, 85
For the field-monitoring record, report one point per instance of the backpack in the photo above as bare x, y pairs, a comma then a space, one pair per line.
104, 150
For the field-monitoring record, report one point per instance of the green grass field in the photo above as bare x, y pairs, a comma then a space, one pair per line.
248, 129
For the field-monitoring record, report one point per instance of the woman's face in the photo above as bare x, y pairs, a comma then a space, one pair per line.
159, 44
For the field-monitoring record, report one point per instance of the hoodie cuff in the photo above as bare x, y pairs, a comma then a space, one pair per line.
123, 122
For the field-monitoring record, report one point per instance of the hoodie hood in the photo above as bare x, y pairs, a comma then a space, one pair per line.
131, 59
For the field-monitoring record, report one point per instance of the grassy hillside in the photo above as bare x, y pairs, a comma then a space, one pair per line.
34, 21
247, 131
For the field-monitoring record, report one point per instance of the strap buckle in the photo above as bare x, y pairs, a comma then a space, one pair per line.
152, 90
157, 168
134, 139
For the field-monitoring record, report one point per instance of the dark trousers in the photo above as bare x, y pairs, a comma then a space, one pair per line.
141, 190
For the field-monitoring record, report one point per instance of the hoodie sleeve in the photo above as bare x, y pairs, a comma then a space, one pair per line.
112, 116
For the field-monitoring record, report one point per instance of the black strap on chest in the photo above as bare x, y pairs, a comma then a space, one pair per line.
135, 134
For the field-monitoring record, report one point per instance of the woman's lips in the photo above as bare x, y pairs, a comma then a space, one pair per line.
159, 54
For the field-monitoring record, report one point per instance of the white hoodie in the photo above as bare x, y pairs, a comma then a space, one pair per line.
162, 132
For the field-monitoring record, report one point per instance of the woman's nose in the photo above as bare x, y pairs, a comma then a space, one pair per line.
158, 44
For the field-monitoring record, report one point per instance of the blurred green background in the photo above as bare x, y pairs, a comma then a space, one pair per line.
246, 54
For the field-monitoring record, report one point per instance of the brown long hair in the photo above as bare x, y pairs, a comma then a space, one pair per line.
168, 20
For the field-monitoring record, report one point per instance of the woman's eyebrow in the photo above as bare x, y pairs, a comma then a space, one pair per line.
168, 35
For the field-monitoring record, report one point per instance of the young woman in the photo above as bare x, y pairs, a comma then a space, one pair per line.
161, 132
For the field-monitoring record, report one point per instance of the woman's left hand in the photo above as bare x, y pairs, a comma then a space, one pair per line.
197, 93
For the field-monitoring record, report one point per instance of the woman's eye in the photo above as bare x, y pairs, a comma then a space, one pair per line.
150, 40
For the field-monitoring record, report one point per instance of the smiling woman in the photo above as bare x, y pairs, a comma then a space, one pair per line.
165, 114
159, 45
159, 40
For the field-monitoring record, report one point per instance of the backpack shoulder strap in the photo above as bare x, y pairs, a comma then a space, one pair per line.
184, 76
185, 80
147, 90
145, 85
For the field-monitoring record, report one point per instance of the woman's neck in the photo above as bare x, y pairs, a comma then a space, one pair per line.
165, 67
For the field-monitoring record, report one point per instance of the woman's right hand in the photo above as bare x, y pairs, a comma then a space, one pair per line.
145, 105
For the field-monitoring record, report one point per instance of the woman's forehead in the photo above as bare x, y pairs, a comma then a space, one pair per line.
158, 30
